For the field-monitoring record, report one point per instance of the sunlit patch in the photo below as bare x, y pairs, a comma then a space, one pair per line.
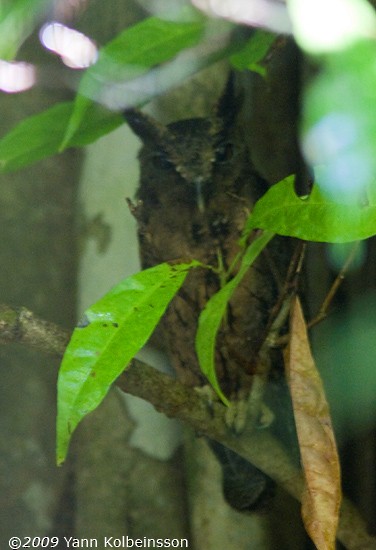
16, 76
257, 13
328, 25
76, 50
346, 167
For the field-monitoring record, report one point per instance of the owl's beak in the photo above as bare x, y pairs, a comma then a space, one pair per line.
199, 196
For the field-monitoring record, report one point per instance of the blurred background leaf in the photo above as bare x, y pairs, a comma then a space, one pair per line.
339, 123
17, 20
41, 135
252, 54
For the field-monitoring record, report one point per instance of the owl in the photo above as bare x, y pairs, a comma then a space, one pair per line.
197, 187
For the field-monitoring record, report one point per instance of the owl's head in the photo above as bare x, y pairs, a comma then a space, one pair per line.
191, 151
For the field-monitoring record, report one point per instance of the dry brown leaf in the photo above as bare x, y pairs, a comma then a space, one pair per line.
322, 496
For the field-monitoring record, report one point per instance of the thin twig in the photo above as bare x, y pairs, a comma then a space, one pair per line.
276, 320
323, 311
281, 311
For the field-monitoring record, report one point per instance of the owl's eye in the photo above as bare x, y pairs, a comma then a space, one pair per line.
224, 152
161, 160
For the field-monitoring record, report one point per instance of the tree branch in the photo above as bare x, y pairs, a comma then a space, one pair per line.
178, 401
21, 326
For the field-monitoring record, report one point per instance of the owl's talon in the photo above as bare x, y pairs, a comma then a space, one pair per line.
240, 416
236, 416
249, 412
208, 394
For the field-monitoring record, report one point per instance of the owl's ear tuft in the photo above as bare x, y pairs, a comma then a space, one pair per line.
146, 127
228, 106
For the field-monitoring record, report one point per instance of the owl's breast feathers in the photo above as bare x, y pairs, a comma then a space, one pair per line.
172, 227
197, 188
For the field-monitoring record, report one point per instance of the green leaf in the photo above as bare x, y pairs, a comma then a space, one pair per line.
134, 51
97, 122
253, 52
34, 138
211, 317
17, 20
40, 136
146, 44
315, 218
112, 332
